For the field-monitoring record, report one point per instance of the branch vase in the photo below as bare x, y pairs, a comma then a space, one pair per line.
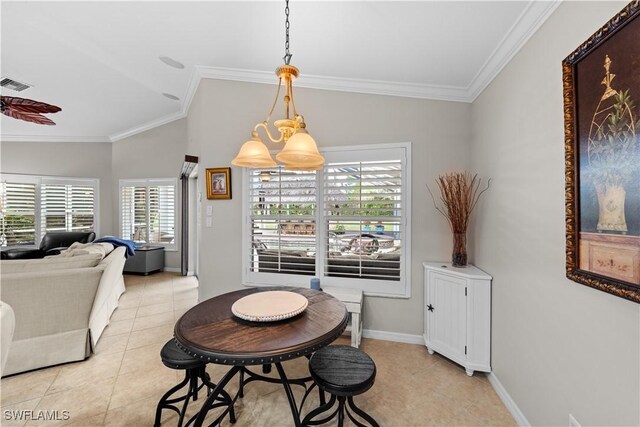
459, 255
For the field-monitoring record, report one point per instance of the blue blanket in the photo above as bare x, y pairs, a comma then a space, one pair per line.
129, 244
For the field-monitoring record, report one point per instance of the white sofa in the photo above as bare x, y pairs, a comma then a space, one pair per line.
61, 304
7, 325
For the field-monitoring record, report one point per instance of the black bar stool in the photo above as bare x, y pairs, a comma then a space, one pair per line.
343, 372
173, 357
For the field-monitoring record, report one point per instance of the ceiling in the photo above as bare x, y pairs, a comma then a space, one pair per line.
99, 61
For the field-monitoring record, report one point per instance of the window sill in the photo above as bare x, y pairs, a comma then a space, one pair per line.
365, 293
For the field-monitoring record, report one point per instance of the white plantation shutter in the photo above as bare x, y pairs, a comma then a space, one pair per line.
162, 208
82, 204
282, 216
68, 206
347, 224
364, 216
148, 211
128, 204
18, 213
35, 205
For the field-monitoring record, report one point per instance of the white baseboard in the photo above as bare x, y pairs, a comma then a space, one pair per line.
393, 336
516, 413
172, 269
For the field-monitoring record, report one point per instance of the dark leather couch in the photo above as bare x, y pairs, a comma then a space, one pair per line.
51, 244
291, 262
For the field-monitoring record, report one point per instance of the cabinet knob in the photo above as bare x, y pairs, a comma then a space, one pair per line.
430, 307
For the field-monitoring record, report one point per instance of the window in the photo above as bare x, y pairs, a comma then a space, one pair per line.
283, 208
18, 213
347, 224
67, 207
34, 205
148, 211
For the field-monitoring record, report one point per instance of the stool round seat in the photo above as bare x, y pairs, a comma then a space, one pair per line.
342, 370
175, 358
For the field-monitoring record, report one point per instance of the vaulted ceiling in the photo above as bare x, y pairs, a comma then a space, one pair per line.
99, 61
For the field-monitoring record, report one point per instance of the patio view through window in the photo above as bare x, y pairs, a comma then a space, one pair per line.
345, 221
148, 211
32, 206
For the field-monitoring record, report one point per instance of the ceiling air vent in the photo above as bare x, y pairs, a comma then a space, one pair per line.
14, 85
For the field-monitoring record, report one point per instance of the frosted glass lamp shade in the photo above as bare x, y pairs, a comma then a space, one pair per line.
310, 167
300, 152
254, 154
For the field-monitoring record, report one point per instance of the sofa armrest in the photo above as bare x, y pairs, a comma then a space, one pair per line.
23, 253
65, 238
112, 267
52, 302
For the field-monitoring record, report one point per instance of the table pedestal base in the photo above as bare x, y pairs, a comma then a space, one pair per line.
246, 377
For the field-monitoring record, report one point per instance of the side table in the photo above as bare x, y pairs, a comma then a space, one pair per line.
148, 259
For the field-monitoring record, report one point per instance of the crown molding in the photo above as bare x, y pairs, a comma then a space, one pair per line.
529, 21
148, 126
190, 92
341, 84
44, 138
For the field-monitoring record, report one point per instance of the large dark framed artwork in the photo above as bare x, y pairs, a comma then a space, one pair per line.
601, 81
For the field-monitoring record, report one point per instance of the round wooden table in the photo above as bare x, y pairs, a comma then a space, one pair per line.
212, 333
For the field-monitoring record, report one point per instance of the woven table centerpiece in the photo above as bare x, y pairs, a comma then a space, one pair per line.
269, 306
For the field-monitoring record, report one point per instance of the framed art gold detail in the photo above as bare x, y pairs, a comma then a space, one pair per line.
601, 85
218, 183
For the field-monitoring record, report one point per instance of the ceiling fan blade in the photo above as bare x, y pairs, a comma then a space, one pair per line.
29, 105
28, 117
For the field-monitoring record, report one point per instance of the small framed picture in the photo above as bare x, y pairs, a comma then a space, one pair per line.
219, 183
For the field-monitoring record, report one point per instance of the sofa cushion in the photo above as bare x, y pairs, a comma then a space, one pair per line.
103, 249
49, 263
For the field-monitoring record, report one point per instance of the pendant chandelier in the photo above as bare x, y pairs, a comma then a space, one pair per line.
300, 151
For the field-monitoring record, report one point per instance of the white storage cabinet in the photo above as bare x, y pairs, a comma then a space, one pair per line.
457, 314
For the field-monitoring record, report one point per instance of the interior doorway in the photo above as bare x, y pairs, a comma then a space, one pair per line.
195, 200
189, 211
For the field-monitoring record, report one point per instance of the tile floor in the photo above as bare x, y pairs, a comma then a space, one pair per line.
121, 384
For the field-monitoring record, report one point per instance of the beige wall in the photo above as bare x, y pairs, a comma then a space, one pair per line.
156, 153
221, 119
71, 159
558, 347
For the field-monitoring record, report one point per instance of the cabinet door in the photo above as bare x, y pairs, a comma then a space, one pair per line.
446, 309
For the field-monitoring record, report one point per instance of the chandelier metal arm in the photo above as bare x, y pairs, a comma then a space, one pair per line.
275, 101
293, 104
265, 126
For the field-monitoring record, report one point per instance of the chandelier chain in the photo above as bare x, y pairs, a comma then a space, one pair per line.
287, 54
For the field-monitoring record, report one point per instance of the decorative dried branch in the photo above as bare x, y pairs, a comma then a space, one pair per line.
459, 193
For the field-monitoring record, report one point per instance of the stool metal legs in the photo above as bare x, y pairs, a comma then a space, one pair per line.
344, 404
192, 378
